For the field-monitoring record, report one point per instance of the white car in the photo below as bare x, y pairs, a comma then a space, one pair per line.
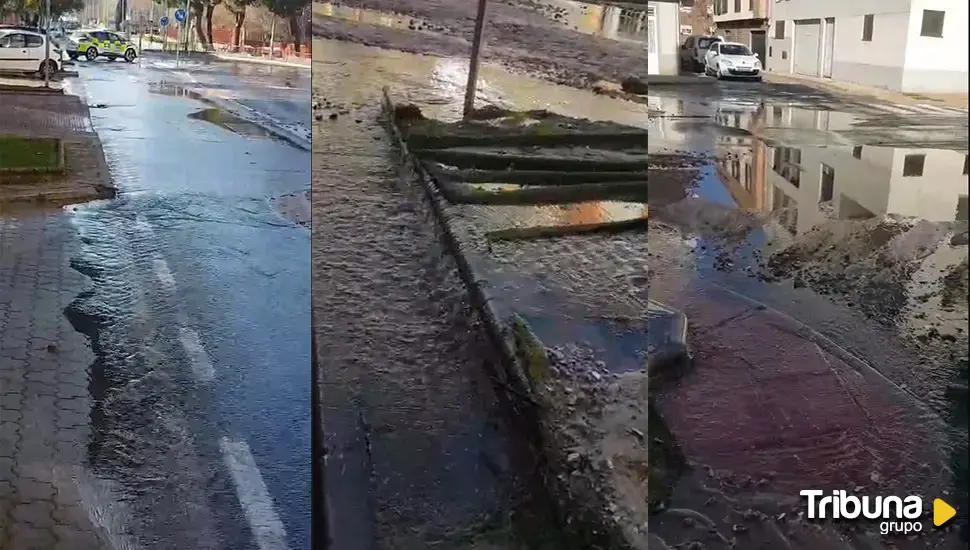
24, 52
730, 59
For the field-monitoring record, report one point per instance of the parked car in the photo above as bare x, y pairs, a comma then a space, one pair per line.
102, 43
726, 59
24, 51
693, 51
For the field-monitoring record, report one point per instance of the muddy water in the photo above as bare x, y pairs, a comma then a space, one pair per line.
823, 239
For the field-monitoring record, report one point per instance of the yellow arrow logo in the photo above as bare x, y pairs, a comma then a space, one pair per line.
942, 512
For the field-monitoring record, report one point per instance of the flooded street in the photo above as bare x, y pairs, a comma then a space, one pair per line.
185, 424
825, 285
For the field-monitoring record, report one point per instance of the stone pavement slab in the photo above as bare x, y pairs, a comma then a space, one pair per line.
45, 406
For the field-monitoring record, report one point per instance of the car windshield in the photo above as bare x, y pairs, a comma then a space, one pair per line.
735, 49
705, 43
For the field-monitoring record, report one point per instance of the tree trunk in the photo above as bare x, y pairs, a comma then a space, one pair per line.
199, 30
209, 8
240, 20
295, 32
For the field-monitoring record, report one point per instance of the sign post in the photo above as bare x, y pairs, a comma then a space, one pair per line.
180, 19
163, 26
471, 86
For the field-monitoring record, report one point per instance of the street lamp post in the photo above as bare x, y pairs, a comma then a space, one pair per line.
471, 86
47, 45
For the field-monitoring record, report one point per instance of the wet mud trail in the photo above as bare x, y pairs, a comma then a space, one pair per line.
813, 280
570, 43
421, 452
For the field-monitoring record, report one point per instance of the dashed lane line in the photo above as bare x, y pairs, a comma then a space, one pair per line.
254, 496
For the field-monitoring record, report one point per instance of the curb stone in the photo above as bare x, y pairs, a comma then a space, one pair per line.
504, 336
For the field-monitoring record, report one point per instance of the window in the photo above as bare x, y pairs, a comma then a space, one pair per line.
963, 208
780, 30
867, 28
828, 183
966, 164
34, 41
735, 49
771, 50
784, 55
15, 40
913, 165
737, 5
750, 5
932, 24
857, 151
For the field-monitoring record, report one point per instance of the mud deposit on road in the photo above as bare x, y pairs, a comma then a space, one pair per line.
571, 49
822, 279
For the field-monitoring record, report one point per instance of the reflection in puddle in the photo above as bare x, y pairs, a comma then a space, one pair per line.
806, 166
174, 89
230, 122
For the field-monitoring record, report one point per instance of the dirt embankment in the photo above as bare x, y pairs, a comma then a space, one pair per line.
517, 34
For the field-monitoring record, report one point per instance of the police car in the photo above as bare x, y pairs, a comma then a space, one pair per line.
92, 44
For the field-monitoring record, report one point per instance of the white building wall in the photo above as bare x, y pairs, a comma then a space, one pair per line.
937, 64
668, 37
896, 58
878, 62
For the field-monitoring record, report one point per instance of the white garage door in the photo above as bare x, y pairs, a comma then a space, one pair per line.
807, 39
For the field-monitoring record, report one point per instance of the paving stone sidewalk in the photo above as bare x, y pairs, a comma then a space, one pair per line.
44, 399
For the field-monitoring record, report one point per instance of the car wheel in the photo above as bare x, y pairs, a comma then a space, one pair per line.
91, 53
130, 55
47, 68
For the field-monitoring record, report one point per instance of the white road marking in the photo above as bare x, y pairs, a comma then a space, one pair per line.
198, 357
164, 275
254, 496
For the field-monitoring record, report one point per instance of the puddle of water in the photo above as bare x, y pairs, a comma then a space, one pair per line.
808, 162
230, 122
174, 89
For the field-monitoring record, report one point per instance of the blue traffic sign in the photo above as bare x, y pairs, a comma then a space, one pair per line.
180, 15
163, 22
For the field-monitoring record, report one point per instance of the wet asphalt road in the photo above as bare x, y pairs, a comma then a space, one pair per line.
199, 309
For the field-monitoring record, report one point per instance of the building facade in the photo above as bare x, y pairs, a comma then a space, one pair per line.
744, 21
663, 37
911, 46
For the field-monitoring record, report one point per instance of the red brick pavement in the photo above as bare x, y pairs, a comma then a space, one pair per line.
765, 401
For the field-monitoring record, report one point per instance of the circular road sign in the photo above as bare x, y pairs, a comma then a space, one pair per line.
180, 15
163, 22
